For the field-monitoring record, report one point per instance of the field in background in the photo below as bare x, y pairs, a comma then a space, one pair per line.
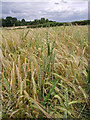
16, 27
45, 72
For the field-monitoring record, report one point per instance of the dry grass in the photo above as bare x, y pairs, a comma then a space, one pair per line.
44, 72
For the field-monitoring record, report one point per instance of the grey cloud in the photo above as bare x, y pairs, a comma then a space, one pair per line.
61, 16
36, 10
64, 1
56, 3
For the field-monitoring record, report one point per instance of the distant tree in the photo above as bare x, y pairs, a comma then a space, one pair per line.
42, 20
14, 21
53, 24
50, 21
47, 20
0, 22
9, 21
23, 20
18, 23
36, 21
30, 23
3, 22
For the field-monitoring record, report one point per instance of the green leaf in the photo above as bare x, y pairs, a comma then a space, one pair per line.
8, 88
50, 92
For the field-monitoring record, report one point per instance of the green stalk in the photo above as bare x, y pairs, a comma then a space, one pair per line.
50, 92
48, 44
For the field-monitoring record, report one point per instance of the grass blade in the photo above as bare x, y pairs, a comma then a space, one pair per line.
51, 91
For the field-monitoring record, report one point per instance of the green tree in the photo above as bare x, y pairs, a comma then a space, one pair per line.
14, 21
23, 20
47, 20
9, 21
36, 21
0, 22
42, 20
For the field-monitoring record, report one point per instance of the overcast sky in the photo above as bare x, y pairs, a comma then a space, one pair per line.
57, 10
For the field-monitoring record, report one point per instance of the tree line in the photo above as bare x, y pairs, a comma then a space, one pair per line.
13, 21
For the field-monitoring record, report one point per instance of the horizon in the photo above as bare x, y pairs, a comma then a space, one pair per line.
45, 19
52, 10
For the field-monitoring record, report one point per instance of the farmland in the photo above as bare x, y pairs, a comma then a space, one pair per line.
45, 72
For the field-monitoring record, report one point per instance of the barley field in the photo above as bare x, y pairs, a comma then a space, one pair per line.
45, 72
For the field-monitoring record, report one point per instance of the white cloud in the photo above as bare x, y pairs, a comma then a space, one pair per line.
64, 10
41, 0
